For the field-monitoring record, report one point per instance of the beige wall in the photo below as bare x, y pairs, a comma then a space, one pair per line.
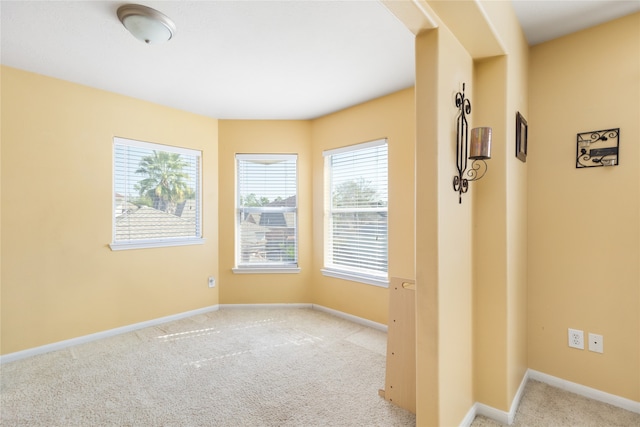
500, 223
113, 289
470, 257
443, 230
391, 117
584, 237
257, 136
60, 279
491, 305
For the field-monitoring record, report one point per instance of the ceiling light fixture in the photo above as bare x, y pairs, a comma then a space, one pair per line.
146, 24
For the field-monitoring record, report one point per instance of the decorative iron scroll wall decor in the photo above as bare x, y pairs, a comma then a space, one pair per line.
480, 148
597, 148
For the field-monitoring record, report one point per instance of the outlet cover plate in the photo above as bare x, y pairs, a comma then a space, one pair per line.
576, 339
212, 282
596, 343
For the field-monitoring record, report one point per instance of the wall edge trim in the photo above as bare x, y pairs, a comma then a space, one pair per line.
351, 317
346, 316
61, 345
492, 413
582, 390
515, 404
497, 414
470, 416
531, 374
276, 305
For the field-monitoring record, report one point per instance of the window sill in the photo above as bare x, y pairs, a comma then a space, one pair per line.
145, 244
354, 277
262, 270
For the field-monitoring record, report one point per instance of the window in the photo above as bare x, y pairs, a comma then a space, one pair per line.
266, 215
156, 195
356, 213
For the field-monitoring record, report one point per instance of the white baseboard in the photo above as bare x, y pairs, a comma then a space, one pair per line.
515, 404
477, 408
591, 393
471, 415
352, 318
492, 413
508, 417
341, 314
496, 414
11, 357
285, 305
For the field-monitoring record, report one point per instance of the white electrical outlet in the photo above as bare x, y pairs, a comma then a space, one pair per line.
212, 282
576, 338
596, 343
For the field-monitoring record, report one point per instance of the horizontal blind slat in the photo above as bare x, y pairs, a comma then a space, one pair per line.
358, 209
156, 191
266, 210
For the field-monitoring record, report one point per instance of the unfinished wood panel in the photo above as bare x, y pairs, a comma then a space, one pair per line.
400, 381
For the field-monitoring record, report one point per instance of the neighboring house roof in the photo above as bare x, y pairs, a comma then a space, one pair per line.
145, 222
123, 208
252, 233
188, 210
289, 202
272, 219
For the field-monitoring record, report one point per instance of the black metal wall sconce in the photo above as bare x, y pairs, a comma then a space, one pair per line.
479, 151
597, 148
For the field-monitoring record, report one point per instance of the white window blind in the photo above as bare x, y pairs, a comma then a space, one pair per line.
356, 210
156, 198
267, 209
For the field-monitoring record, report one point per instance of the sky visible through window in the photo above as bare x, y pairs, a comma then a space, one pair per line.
267, 178
127, 161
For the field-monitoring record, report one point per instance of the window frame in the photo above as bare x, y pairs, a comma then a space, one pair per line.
264, 268
367, 276
196, 239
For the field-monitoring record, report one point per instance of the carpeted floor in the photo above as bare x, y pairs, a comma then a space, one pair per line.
242, 367
233, 367
545, 406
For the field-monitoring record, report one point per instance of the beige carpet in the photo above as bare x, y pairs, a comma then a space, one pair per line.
233, 367
242, 367
545, 406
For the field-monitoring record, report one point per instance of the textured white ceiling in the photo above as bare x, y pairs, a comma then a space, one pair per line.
544, 20
291, 59
228, 59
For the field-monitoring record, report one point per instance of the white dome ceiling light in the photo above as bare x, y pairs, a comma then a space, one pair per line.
146, 24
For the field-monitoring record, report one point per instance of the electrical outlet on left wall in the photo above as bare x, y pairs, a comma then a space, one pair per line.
212, 282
